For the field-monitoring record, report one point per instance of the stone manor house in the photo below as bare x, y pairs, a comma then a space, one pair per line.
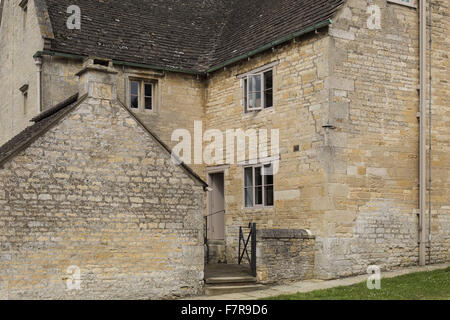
92, 204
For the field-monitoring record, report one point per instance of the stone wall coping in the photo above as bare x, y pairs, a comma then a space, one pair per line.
285, 234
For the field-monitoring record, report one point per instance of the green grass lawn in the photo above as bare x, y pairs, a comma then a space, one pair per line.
434, 285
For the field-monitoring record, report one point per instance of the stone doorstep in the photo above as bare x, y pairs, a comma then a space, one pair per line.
228, 279
235, 280
225, 289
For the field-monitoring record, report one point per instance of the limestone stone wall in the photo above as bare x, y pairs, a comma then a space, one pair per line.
440, 225
301, 103
19, 42
178, 101
345, 102
372, 216
348, 102
59, 80
97, 192
285, 255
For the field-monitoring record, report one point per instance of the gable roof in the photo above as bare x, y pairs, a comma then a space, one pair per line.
47, 119
185, 35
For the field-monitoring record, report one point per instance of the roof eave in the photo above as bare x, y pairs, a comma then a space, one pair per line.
53, 53
271, 45
197, 72
153, 67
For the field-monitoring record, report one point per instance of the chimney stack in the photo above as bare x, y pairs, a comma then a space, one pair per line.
97, 79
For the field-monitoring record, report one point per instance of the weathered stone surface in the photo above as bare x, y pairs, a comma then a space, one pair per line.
376, 221
19, 41
354, 183
284, 255
355, 179
84, 203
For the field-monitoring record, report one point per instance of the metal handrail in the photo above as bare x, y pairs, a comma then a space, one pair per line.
212, 214
206, 222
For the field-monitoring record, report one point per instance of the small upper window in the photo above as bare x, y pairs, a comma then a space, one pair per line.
141, 95
258, 91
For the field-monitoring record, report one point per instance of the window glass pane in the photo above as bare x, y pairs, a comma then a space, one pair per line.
268, 180
258, 177
268, 96
134, 102
134, 94
148, 103
268, 89
268, 80
258, 195
249, 177
148, 89
248, 173
268, 174
248, 197
258, 186
245, 94
268, 196
148, 92
134, 86
254, 100
254, 83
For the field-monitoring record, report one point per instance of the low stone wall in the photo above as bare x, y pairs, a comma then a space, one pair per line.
284, 255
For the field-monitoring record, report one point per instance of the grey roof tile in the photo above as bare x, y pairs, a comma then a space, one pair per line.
192, 35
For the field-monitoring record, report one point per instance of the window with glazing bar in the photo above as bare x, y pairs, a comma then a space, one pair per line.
258, 91
141, 95
258, 186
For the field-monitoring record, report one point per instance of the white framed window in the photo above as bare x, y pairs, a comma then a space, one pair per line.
141, 95
408, 3
258, 186
258, 88
258, 91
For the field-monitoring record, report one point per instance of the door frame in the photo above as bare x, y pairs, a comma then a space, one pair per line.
210, 171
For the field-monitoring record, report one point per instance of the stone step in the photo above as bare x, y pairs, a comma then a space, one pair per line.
231, 280
225, 289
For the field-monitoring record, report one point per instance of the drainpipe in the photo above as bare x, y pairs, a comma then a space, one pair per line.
423, 127
38, 62
430, 137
